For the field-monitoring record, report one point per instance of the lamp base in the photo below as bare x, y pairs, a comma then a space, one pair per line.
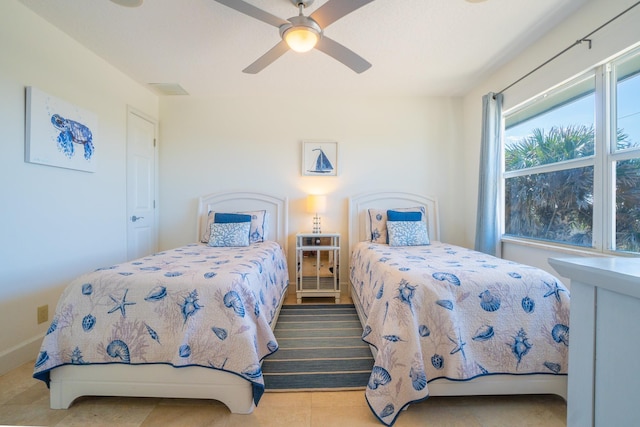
316, 225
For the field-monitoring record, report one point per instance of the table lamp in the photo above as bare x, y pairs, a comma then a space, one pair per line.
316, 204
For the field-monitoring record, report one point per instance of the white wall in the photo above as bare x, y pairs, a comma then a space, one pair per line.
254, 144
56, 223
612, 39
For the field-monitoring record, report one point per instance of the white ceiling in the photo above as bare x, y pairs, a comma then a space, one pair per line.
417, 47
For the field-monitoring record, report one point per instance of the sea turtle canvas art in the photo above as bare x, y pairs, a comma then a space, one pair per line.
59, 133
72, 132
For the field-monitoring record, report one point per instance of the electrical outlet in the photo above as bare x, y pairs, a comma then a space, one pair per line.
43, 314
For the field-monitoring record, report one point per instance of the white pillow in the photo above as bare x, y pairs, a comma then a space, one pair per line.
259, 225
229, 234
407, 233
206, 233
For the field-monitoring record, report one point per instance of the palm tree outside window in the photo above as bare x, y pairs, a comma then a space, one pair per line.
571, 175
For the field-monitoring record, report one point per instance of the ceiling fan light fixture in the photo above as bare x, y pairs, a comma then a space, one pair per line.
301, 33
301, 39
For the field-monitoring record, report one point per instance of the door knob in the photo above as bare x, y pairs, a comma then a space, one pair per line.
135, 218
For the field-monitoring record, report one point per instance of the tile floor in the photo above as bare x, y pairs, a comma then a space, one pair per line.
25, 401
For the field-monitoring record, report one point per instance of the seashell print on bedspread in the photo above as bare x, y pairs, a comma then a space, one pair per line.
442, 311
193, 305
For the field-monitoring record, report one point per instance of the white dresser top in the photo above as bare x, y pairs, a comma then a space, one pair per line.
616, 274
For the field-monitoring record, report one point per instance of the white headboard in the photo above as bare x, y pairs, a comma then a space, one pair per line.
359, 226
278, 208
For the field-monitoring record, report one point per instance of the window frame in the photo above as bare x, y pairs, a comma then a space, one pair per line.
613, 154
603, 160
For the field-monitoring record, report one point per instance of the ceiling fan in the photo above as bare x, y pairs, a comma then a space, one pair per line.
303, 33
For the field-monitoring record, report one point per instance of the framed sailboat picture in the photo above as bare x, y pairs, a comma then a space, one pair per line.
319, 158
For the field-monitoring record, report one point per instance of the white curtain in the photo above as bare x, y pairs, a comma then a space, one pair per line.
487, 226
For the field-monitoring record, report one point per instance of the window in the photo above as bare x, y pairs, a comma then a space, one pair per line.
625, 157
572, 161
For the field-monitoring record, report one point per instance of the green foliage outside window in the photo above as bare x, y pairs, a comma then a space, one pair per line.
558, 205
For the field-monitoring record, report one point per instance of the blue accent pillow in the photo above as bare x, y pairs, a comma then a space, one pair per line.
407, 233
225, 234
403, 216
378, 222
221, 217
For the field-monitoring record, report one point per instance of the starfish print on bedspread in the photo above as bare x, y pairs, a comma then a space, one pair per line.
554, 289
459, 346
121, 305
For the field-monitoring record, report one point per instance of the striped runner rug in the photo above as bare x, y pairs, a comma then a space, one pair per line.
320, 349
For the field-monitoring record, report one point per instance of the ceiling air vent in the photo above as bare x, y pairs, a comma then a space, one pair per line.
168, 88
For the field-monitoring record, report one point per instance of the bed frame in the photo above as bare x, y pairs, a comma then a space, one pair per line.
71, 381
359, 230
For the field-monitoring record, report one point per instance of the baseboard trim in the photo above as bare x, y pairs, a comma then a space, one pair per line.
20, 354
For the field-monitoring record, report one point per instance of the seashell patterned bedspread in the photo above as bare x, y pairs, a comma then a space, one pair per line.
193, 305
442, 311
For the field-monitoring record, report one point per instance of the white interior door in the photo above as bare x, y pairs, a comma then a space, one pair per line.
142, 236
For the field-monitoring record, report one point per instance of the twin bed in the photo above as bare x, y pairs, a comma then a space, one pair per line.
192, 322
196, 321
444, 320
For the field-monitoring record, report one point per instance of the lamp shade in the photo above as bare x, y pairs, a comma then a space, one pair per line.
301, 39
316, 203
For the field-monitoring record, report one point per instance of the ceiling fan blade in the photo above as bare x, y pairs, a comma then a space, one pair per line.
333, 10
254, 12
274, 53
343, 54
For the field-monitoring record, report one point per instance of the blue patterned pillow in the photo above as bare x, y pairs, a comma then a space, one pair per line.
378, 222
229, 234
407, 233
259, 225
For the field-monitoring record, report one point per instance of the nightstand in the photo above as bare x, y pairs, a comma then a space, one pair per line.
318, 265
